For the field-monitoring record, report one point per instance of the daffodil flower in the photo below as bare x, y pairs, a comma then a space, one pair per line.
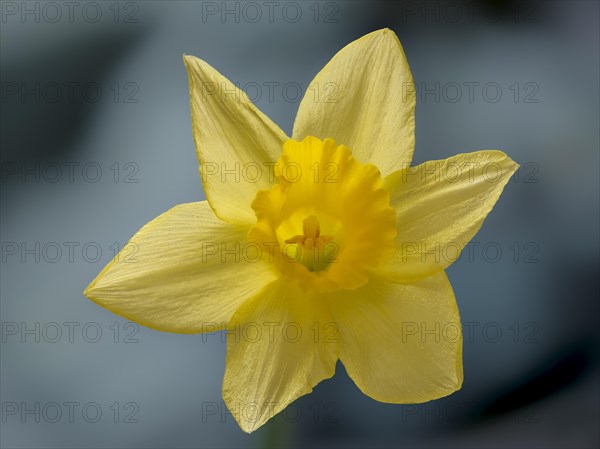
323, 246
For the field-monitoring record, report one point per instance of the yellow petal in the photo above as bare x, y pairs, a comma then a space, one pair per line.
185, 271
440, 205
364, 98
401, 343
237, 145
280, 344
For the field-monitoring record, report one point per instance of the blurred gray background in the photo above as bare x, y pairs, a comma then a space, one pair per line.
96, 141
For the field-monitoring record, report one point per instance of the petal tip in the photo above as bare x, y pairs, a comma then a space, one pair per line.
382, 31
90, 290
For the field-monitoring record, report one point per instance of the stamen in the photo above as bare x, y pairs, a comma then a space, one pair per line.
312, 234
312, 243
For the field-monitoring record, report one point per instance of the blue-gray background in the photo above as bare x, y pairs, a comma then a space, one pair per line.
82, 92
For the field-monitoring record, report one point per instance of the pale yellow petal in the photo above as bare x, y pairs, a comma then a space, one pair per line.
401, 343
280, 344
440, 205
237, 145
185, 271
364, 98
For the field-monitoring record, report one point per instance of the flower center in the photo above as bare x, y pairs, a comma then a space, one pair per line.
327, 221
314, 247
